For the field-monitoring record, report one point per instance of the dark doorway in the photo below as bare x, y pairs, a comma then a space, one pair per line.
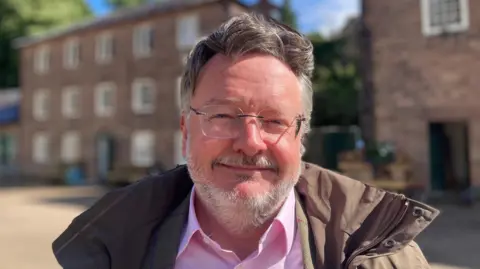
449, 156
105, 148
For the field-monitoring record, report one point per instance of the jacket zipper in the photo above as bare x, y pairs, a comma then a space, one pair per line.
373, 243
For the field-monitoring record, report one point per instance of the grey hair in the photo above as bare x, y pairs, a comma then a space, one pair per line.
254, 33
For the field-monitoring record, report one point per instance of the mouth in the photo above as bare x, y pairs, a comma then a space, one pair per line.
246, 168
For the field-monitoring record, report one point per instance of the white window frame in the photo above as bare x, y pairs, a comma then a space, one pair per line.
178, 148
187, 31
138, 86
143, 40
71, 53
71, 147
142, 150
69, 110
41, 64
100, 90
41, 148
104, 48
429, 30
41, 104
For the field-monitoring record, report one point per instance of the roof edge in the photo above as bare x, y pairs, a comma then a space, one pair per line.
116, 17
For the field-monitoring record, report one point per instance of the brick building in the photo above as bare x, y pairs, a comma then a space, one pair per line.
421, 63
105, 92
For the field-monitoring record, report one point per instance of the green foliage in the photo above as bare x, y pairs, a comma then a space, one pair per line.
28, 17
288, 15
118, 4
336, 83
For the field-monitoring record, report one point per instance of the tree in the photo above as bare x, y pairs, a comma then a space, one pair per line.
288, 15
29, 17
336, 82
119, 4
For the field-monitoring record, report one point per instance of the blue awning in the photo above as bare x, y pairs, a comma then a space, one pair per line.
10, 114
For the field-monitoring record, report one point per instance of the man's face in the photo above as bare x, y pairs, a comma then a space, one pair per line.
254, 162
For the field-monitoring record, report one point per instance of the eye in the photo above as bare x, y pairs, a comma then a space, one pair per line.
221, 116
277, 122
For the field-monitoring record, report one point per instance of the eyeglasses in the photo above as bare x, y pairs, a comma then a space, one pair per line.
225, 122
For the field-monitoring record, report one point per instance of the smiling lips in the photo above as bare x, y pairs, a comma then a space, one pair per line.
246, 168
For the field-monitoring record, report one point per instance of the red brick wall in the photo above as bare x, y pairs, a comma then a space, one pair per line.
418, 79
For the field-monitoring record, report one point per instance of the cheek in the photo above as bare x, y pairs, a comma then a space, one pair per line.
205, 149
287, 154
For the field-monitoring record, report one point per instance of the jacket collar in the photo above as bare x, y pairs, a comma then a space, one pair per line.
369, 220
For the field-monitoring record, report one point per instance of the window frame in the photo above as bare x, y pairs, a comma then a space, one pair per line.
104, 43
462, 26
137, 153
68, 111
44, 157
71, 147
143, 40
71, 57
40, 110
138, 107
100, 109
42, 55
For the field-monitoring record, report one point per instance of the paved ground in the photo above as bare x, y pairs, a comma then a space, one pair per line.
30, 218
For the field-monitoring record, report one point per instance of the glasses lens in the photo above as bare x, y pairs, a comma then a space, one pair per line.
220, 121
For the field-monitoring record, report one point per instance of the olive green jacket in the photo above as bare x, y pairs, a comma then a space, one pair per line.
343, 224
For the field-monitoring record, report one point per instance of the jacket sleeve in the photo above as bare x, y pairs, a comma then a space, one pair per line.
409, 257
74, 250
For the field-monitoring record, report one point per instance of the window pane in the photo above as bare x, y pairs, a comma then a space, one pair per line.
146, 95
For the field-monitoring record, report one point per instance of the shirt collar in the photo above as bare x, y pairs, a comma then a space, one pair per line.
285, 218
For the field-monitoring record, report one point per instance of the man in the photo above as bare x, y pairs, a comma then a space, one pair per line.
245, 199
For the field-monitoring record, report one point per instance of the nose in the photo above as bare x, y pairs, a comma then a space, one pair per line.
250, 141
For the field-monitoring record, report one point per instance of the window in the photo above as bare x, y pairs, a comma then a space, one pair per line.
104, 48
8, 148
71, 54
71, 102
71, 147
444, 16
105, 99
178, 154
187, 31
41, 105
178, 93
143, 41
42, 60
41, 148
143, 148
143, 96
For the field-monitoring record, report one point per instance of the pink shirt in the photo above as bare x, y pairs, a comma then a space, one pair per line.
278, 248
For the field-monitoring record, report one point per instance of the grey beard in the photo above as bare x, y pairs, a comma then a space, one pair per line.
239, 214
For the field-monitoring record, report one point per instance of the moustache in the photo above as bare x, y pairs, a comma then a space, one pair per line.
260, 161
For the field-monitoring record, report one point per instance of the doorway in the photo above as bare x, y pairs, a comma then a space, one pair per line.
105, 149
449, 156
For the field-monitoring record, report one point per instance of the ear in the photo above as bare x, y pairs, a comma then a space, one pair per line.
183, 128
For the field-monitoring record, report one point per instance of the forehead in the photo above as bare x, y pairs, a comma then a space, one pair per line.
252, 82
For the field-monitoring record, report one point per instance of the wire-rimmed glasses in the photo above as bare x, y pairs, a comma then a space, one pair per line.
226, 122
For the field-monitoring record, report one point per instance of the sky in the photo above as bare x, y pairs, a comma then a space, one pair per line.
324, 16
